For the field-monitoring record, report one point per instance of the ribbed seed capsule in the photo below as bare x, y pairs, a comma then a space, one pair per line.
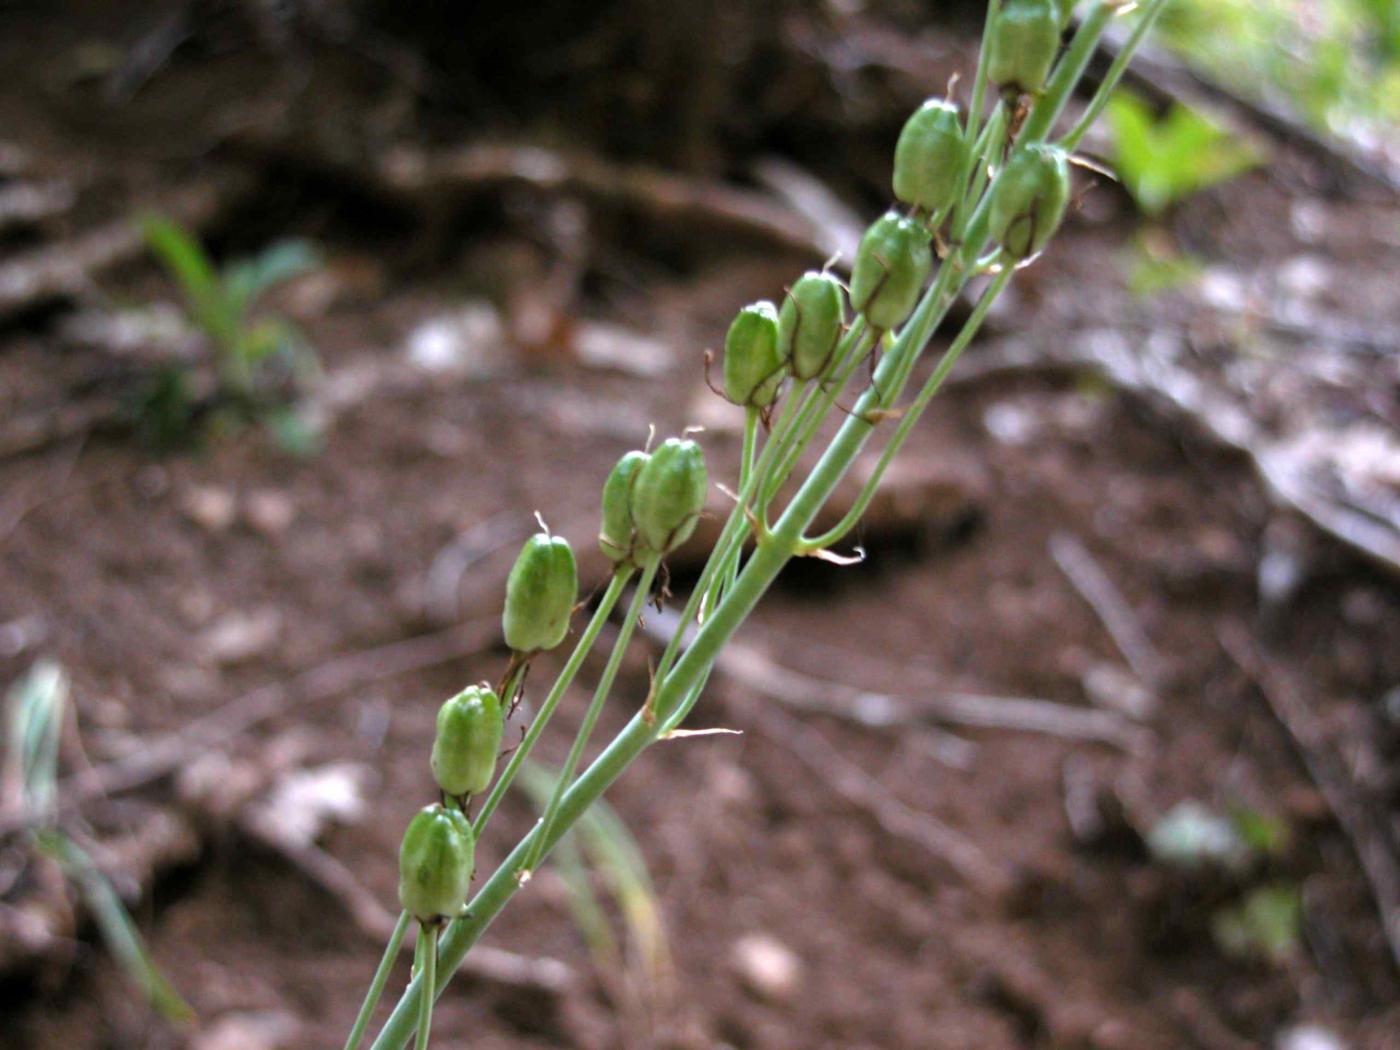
753, 369
892, 264
669, 495
1029, 199
468, 741
618, 534
810, 324
929, 156
1022, 44
435, 864
540, 594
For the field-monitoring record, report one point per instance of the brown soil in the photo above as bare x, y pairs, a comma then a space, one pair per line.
1087, 944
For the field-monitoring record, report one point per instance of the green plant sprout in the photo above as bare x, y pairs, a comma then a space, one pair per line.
1162, 162
1010, 190
260, 361
37, 704
1265, 922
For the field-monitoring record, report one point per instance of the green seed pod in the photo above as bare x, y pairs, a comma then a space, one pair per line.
468, 740
435, 864
929, 157
810, 323
618, 535
1029, 199
669, 495
753, 368
891, 266
540, 594
1024, 40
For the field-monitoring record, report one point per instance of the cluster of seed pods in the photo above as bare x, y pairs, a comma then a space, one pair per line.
652, 500
932, 165
651, 503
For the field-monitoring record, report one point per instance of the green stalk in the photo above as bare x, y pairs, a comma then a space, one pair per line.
595, 708
381, 978
1067, 74
425, 953
565, 679
1115, 74
731, 536
983, 158
979, 79
809, 422
915, 410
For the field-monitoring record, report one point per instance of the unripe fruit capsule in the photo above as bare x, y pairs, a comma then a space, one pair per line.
753, 368
1029, 199
929, 157
617, 537
669, 495
1022, 44
540, 594
468, 741
435, 864
892, 264
810, 323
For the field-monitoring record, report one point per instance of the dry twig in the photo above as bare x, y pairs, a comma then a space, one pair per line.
867, 794
880, 710
1108, 603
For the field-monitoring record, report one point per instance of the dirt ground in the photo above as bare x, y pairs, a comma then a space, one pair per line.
822, 882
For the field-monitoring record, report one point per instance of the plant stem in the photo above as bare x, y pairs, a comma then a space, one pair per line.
595, 708
915, 410
556, 693
1067, 74
1115, 74
381, 978
979, 79
425, 953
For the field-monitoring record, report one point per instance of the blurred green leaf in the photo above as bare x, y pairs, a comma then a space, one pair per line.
1264, 835
1155, 265
247, 279
1335, 62
36, 708
1266, 924
37, 703
293, 431
1167, 160
184, 259
615, 857
115, 924
220, 306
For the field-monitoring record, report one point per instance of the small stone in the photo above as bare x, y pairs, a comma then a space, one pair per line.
211, 508
768, 969
257, 1030
269, 512
239, 636
1308, 1037
732, 786
466, 342
1117, 689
